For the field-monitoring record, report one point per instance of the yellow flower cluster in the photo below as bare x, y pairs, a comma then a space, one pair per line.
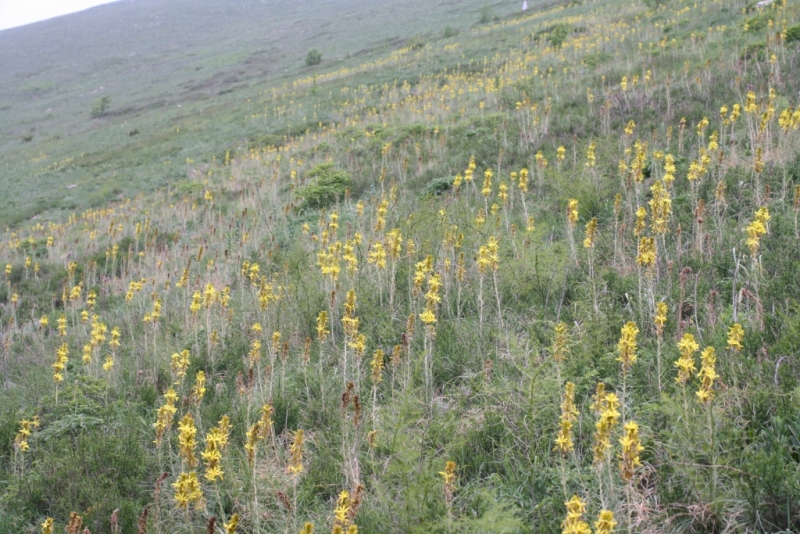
187, 490
26, 428
322, 326
631, 447
627, 346
647, 252
62, 357
569, 414
180, 363
449, 479
230, 528
606, 406
572, 212
660, 208
199, 389
560, 343
377, 255
377, 365
432, 298
735, 337
216, 440
685, 364
296, 453
489, 256
349, 321
186, 440
165, 414
641, 221
660, 318
574, 523
591, 233
707, 375
756, 229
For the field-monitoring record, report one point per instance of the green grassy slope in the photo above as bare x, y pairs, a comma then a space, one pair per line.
179, 76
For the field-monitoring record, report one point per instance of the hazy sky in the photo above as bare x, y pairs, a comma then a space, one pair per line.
18, 12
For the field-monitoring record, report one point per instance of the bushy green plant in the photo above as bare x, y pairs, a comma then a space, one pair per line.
314, 57
328, 185
100, 106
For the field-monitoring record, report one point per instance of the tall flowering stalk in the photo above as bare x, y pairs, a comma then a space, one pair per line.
449, 486
659, 320
627, 347
572, 220
569, 414
588, 244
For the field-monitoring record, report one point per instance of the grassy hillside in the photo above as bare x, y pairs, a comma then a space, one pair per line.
181, 78
534, 273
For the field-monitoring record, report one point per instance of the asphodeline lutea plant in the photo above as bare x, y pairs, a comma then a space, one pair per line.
62, 357
606, 406
232, 525
187, 490
322, 326
646, 256
26, 429
686, 364
296, 453
165, 414
432, 298
560, 348
707, 375
216, 440
605, 522
449, 482
187, 440
756, 230
591, 233
572, 212
631, 447
735, 337
660, 318
627, 346
341, 513
574, 523
569, 413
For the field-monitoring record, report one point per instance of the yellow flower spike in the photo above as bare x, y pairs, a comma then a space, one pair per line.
296, 452
230, 528
646, 256
47, 526
569, 414
686, 364
627, 346
591, 233
707, 375
735, 337
572, 211
186, 440
605, 522
660, 318
187, 490
574, 524
308, 528
631, 447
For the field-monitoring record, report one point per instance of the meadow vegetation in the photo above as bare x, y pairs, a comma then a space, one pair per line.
540, 274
